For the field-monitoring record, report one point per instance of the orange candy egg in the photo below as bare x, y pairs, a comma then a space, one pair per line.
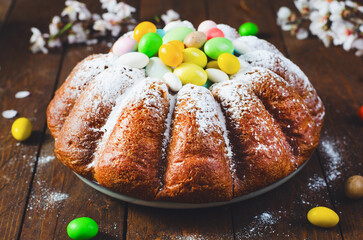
178, 43
142, 28
171, 54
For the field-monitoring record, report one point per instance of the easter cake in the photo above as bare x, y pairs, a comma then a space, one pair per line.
185, 115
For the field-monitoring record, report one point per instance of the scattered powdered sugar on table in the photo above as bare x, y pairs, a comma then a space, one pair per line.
22, 94
330, 149
316, 183
46, 199
45, 159
261, 223
8, 114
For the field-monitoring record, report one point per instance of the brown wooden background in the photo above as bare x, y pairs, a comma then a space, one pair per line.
38, 198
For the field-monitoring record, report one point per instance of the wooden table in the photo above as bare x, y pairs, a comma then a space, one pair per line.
39, 196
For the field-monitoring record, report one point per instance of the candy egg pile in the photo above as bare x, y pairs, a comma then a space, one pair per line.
179, 54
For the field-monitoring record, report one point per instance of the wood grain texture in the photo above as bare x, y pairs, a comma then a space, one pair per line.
337, 75
5, 8
39, 196
271, 216
22, 70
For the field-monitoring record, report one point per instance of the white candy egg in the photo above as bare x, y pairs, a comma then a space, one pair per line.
205, 25
216, 75
133, 59
156, 68
173, 81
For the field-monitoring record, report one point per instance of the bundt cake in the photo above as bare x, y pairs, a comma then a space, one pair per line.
132, 134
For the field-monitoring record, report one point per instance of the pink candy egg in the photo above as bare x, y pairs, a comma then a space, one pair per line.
124, 45
214, 32
206, 25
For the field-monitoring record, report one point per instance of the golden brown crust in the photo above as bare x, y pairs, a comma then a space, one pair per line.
130, 161
197, 164
66, 96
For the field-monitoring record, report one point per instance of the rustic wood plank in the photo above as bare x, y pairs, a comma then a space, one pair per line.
150, 223
280, 213
58, 196
5, 7
22, 70
337, 76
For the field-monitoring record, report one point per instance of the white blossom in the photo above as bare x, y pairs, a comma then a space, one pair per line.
302, 33
302, 5
124, 10
343, 34
73, 8
336, 9
283, 16
37, 41
102, 26
79, 34
109, 5
358, 44
170, 16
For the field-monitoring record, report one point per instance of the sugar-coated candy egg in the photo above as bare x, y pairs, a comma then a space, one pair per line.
360, 113
150, 43
205, 25
216, 75
228, 63
214, 32
21, 129
173, 81
216, 46
212, 64
175, 24
191, 73
178, 33
354, 187
124, 45
178, 43
323, 217
195, 39
156, 68
170, 54
160, 32
248, 28
133, 59
208, 83
82, 228
196, 56
142, 28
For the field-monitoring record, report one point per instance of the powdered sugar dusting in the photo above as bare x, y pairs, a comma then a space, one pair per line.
316, 183
228, 31
199, 101
247, 44
45, 159
260, 224
46, 199
330, 148
168, 122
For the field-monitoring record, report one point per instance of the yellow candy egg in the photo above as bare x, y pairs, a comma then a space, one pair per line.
212, 64
191, 73
228, 63
142, 28
196, 56
21, 129
323, 217
178, 43
170, 54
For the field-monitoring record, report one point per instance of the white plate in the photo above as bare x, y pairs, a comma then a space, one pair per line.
176, 205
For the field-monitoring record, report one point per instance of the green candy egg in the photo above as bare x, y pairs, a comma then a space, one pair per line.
216, 46
191, 73
248, 28
208, 83
150, 43
178, 33
82, 228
